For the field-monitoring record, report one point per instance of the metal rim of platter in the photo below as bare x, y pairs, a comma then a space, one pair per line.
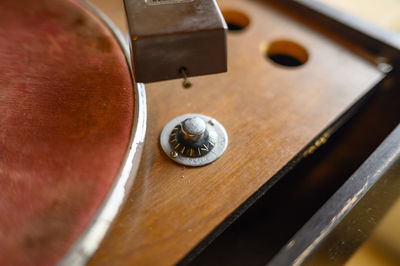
90, 240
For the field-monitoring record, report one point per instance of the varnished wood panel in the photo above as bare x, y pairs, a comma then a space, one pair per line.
271, 113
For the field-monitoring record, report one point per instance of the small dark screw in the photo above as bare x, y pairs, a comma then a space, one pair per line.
186, 82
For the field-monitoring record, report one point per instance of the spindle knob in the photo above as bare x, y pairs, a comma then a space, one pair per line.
194, 139
193, 129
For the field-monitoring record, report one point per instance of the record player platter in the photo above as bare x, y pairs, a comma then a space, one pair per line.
71, 124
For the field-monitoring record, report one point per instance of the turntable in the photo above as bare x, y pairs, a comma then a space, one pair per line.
79, 184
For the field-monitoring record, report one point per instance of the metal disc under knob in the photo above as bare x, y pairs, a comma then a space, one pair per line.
194, 139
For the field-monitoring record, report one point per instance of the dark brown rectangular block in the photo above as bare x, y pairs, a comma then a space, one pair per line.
167, 35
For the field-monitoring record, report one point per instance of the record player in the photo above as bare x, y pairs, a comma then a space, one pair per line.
230, 98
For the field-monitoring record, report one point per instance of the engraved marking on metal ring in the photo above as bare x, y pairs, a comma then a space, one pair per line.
163, 2
194, 139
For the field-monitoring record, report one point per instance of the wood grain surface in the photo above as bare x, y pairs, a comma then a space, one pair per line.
271, 113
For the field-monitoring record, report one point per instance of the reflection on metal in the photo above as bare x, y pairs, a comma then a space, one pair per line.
346, 220
90, 240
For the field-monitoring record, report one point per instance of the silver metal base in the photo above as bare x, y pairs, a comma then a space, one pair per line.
212, 126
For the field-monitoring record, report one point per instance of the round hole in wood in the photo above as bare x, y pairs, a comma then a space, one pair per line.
287, 53
235, 20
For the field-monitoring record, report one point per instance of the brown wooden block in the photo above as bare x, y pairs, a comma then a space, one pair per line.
169, 35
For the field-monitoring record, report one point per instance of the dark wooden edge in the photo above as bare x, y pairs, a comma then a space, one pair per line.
331, 129
346, 220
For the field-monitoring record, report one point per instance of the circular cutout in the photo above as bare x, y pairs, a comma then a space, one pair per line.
235, 20
287, 53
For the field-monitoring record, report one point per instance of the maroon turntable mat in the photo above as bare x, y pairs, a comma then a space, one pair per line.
66, 107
